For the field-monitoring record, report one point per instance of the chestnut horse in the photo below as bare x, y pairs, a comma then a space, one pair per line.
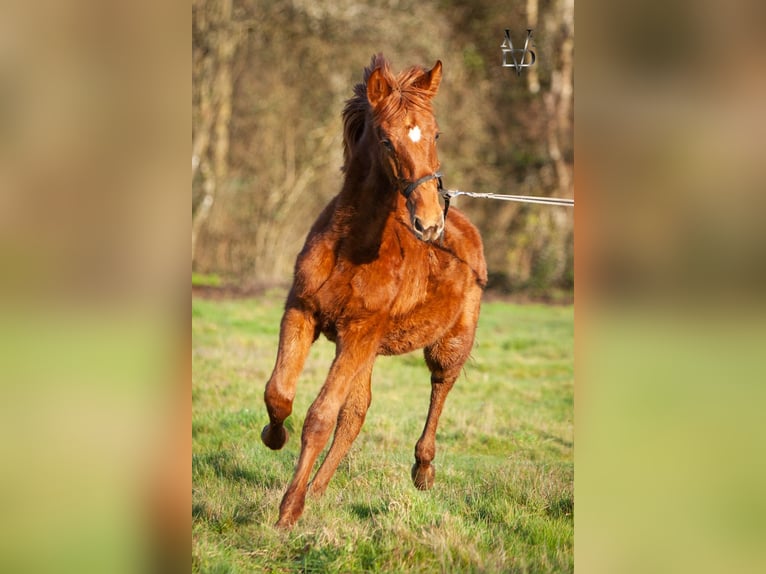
382, 272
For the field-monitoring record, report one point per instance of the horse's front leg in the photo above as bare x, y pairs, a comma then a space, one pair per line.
353, 355
423, 473
296, 335
350, 420
445, 359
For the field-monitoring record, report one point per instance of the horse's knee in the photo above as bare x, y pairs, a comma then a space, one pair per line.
318, 424
445, 362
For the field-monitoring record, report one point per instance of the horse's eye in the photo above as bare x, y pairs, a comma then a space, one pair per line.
387, 144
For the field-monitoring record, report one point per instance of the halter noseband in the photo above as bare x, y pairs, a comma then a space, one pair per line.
412, 185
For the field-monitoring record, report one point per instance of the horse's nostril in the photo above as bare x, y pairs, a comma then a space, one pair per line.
418, 225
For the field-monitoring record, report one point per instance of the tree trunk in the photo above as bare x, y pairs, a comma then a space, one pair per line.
533, 80
558, 100
215, 113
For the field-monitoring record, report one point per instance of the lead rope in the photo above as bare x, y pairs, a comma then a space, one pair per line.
448, 194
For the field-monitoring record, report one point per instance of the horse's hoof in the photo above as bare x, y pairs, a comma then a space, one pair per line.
423, 476
273, 438
291, 507
284, 523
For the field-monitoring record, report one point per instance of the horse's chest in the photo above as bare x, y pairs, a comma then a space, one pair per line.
420, 326
410, 298
369, 288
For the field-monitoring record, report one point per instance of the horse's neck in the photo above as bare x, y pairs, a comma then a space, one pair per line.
367, 202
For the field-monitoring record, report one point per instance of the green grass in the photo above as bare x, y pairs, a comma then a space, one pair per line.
503, 498
205, 280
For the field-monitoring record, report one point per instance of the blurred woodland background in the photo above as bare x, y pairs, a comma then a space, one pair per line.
270, 79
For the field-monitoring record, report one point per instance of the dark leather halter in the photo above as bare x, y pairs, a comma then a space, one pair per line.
410, 186
406, 186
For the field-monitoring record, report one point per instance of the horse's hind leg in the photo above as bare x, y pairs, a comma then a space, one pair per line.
296, 335
350, 421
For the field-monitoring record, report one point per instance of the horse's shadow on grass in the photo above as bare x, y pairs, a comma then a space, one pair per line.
558, 440
210, 469
224, 466
365, 512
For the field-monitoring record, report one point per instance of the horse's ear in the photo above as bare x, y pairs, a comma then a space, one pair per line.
377, 87
431, 79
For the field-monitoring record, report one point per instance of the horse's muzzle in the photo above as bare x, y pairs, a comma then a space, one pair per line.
425, 231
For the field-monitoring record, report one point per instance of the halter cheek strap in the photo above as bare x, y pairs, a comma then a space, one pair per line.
446, 197
412, 185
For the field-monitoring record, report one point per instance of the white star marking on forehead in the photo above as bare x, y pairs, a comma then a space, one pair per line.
414, 134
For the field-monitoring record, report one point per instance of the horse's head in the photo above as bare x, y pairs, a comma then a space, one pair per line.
406, 133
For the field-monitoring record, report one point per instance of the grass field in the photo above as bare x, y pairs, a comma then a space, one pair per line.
503, 499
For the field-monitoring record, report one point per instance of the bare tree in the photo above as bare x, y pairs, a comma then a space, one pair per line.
212, 69
558, 100
270, 80
533, 79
